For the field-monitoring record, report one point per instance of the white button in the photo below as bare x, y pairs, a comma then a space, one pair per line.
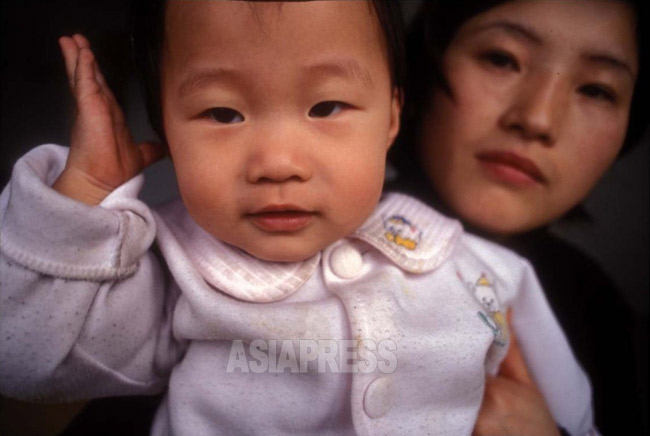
346, 261
379, 397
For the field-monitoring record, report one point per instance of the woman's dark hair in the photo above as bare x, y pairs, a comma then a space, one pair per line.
148, 28
434, 27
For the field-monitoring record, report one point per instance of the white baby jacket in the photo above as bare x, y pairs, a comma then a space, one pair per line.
389, 331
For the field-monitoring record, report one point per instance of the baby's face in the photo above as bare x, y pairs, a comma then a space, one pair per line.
278, 119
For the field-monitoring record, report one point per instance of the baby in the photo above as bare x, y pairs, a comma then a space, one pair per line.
280, 295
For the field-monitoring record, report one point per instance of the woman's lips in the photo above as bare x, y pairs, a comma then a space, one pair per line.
511, 168
281, 218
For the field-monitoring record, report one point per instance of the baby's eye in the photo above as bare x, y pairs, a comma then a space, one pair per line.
501, 59
598, 92
225, 115
326, 109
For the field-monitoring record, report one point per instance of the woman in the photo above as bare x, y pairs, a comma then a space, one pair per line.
518, 108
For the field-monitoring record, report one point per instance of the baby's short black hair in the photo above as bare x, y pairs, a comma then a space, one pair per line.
148, 28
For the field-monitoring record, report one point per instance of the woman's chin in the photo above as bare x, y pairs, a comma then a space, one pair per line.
498, 222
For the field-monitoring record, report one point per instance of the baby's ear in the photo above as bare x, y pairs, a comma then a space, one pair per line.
395, 115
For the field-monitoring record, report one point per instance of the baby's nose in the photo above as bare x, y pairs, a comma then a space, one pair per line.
278, 157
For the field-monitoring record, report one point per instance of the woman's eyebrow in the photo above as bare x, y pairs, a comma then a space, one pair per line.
611, 61
519, 30
515, 29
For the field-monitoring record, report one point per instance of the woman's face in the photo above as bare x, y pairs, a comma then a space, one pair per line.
537, 110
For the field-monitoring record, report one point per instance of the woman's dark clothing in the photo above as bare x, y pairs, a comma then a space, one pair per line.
125, 416
598, 323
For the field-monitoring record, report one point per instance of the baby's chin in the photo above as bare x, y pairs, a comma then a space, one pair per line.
272, 254
279, 250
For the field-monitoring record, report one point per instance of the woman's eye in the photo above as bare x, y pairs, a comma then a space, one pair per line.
225, 115
501, 59
598, 92
326, 109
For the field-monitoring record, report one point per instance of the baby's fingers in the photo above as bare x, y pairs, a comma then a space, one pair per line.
72, 48
81, 41
99, 77
70, 52
84, 75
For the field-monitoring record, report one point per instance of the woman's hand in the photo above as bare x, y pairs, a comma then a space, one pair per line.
512, 404
102, 154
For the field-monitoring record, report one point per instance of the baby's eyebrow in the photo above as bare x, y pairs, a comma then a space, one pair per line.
200, 78
344, 68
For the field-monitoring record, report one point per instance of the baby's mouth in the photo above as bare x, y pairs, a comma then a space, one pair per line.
281, 218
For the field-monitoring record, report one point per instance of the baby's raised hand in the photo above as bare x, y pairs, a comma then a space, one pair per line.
102, 153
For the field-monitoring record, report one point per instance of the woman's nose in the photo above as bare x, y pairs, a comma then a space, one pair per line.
278, 155
537, 108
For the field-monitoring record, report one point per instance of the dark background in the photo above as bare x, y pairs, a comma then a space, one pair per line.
36, 108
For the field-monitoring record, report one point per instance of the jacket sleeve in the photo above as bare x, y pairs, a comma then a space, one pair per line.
85, 305
549, 357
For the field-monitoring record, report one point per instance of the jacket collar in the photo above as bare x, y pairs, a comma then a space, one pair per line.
413, 236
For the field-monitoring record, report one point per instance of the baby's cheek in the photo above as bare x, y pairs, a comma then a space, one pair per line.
362, 195
191, 196
203, 204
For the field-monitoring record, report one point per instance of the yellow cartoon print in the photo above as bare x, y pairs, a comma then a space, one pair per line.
402, 232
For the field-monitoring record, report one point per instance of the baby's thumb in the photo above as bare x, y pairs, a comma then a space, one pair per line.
151, 152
